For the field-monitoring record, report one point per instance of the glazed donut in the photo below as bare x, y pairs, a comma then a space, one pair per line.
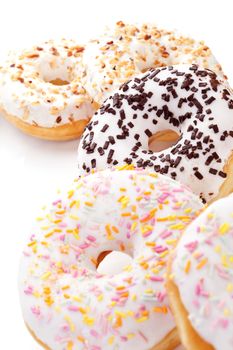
191, 101
201, 284
41, 91
128, 50
66, 303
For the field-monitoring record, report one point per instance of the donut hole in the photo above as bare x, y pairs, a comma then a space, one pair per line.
56, 72
112, 262
163, 140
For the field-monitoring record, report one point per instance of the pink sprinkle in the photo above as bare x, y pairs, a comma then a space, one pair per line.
160, 249
29, 290
162, 198
56, 202
62, 237
161, 296
191, 246
91, 238
94, 333
75, 274
35, 310
156, 278
223, 322
84, 246
165, 234
148, 233
62, 224
73, 308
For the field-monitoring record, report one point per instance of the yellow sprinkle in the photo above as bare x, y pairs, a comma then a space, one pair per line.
202, 263
70, 345
224, 228
31, 244
217, 249
188, 210
122, 189
111, 340
73, 217
226, 312
70, 323
210, 216
72, 203
70, 193
108, 231
230, 287
88, 320
171, 241
65, 287
39, 219
66, 296
187, 266
142, 319
153, 175
163, 254
46, 275
134, 297
76, 298
49, 234
100, 297
177, 227
224, 261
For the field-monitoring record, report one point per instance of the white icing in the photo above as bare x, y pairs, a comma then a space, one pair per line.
65, 302
26, 91
207, 292
124, 51
119, 132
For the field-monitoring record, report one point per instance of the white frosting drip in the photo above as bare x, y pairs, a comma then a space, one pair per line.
65, 302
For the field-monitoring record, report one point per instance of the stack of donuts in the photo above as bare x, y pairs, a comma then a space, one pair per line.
170, 210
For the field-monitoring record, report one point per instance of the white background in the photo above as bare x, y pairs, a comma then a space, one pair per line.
31, 170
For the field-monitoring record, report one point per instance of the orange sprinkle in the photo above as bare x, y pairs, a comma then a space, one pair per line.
115, 229
89, 204
118, 322
161, 309
202, 263
187, 266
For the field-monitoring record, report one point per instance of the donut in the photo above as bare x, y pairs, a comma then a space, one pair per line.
41, 91
66, 303
52, 90
200, 287
192, 102
125, 50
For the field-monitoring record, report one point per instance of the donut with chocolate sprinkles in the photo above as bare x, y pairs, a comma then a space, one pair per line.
171, 98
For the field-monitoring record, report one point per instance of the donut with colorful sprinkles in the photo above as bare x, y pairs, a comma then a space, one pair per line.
189, 100
201, 280
67, 304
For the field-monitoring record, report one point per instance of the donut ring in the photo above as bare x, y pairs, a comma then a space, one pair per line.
186, 99
201, 286
109, 210
41, 91
128, 50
